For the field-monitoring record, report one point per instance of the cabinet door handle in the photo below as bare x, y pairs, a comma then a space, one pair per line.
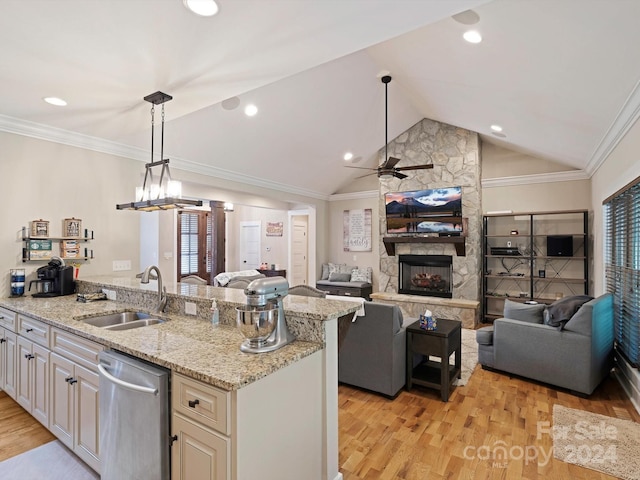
193, 403
2, 340
173, 439
67, 379
29, 330
72, 381
28, 356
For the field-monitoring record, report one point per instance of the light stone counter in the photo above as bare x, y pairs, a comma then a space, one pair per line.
187, 344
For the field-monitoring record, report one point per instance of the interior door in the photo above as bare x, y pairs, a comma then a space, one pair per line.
299, 251
249, 245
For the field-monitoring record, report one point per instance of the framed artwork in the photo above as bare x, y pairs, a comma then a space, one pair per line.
40, 228
71, 227
356, 229
275, 229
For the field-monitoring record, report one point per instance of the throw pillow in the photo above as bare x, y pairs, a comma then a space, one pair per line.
334, 268
362, 275
561, 311
325, 271
343, 268
339, 277
523, 312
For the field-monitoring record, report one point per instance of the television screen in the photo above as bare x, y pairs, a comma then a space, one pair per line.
437, 210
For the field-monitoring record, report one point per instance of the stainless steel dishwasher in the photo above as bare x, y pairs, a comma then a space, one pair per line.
134, 418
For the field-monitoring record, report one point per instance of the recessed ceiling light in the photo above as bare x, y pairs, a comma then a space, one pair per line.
205, 8
250, 110
472, 36
58, 102
231, 103
496, 128
498, 134
348, 156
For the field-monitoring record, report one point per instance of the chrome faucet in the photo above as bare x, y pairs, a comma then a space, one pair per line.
162, 291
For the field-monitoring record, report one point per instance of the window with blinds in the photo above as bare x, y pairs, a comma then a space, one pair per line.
195, 230
622, 266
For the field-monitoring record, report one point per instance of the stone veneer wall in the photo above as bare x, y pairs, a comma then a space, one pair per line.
455, 154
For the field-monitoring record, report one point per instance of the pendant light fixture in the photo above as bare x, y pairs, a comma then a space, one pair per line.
166, 194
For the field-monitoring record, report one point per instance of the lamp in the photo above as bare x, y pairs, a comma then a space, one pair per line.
167, 193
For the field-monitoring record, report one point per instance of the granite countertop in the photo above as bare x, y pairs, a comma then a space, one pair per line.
187, 345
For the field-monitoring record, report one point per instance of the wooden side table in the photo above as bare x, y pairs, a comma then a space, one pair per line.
274, 273
442, 342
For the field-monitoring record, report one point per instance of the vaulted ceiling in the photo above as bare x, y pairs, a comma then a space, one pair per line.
560, 77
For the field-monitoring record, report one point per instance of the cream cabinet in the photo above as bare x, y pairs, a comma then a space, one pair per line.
74, 395
32, 379
8, 347
200, 427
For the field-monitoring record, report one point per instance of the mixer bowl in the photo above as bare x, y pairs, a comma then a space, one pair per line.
257, 323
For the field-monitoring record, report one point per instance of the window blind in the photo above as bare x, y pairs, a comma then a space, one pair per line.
188, 243
622, 267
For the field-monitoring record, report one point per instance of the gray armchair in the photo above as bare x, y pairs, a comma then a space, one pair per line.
372, 355
576, 356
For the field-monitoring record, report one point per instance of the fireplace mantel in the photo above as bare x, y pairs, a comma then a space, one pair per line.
458, 242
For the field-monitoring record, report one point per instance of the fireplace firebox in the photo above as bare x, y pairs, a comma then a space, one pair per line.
428, 275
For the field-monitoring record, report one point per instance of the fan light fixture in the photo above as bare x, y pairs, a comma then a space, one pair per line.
167, 193
204, 8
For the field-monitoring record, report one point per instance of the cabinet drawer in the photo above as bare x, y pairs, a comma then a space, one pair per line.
75, 348
35, 330
8, 319
203, 403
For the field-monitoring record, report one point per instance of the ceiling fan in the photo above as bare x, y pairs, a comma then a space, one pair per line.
388, 167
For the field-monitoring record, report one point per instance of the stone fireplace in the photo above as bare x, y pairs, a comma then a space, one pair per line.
428, 275
455, 155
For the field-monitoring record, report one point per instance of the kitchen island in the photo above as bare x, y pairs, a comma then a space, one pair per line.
282, 416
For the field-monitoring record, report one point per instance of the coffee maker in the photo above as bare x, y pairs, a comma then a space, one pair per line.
54, 279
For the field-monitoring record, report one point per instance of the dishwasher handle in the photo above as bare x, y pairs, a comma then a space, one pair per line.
123, 384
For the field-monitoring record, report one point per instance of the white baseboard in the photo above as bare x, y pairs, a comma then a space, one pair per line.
629, 378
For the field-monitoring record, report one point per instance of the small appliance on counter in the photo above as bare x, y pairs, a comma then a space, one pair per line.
262, 320
54, 279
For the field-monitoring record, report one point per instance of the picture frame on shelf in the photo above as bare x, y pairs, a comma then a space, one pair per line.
71, 227
40, 228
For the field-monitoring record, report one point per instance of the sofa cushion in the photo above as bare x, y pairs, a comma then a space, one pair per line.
523, 311
361, 275
325, 272
484, 335
339, 277
561, 311
343, 284
581, 320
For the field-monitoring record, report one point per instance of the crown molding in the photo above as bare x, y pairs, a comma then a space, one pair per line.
535, 178
627, 116
73, 139
337, 197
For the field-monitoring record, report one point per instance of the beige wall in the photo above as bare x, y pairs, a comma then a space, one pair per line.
538, 197
621, 167
41, 179
498, 162
362, 259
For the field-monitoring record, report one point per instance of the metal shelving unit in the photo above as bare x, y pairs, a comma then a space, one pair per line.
528, 272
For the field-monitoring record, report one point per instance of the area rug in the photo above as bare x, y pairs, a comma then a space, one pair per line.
469, 356
51, 461
605, 444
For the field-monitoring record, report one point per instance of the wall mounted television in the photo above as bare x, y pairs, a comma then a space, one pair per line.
437, 210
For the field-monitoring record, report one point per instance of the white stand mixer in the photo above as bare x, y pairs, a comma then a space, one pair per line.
256, 321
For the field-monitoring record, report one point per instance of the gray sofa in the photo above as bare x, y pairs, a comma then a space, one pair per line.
576, 354
372, 355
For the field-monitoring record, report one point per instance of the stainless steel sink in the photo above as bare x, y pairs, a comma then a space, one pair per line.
123, 320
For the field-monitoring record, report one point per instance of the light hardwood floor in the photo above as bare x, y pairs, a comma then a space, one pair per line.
19, 431
417, 437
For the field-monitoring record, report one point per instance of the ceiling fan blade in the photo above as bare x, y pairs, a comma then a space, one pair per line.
399, 175
389, 163
366, 175
361, 168
416, 167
